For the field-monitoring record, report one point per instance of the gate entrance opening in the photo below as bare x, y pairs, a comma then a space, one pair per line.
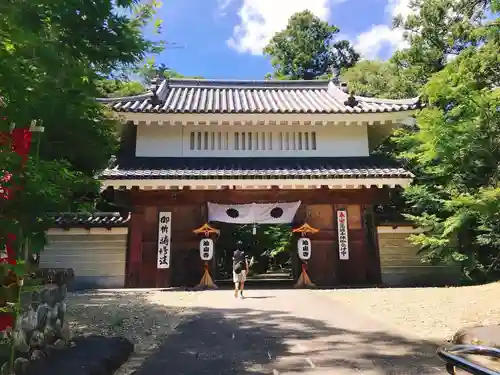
270, 245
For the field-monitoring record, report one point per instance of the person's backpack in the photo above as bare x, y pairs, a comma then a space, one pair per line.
238, 267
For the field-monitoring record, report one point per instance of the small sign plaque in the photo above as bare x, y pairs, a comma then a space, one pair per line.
343, 239
164, 240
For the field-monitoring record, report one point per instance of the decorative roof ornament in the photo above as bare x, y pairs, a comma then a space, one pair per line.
112, 161
344, 88
155, 84
351, 100
156, 81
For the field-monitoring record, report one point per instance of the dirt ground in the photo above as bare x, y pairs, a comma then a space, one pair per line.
430, 313
144, 318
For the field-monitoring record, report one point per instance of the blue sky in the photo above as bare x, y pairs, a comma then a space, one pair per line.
224, 38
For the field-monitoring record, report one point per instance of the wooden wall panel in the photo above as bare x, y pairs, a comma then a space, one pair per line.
148, 264
354, 219
227, 196
134, 254
186, 263
149, 247
371, 245
322, 264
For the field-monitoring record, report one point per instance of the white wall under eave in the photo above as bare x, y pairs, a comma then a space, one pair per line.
175, 141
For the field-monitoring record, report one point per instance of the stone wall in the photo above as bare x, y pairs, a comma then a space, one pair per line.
401, 265
41, 327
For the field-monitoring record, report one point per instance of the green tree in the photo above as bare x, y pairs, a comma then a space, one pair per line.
452, 61
454, 152
53, 55
115, 88
307, 49
439, 30
150, 70
122, 85
457, 150
379, 79
436, 31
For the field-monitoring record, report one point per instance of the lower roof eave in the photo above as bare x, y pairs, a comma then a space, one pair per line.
256, 184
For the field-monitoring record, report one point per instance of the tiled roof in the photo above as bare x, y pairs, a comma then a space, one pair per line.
144, 168
218, 96
90, 220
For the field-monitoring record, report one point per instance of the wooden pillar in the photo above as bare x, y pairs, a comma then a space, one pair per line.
375, 273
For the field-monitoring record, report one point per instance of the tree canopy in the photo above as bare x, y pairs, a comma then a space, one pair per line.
455, 150
307, 49
438, 31
115, 88
143, 74
380, 79
53, 55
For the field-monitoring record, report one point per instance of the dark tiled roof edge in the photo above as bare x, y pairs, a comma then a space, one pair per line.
90, 220
264, 97
253, 168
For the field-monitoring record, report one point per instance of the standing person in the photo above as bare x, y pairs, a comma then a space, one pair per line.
240, 269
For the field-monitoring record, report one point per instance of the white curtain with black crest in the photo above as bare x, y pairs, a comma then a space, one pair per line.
253, 213
234, 213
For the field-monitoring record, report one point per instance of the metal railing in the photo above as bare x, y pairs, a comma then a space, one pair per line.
453, 356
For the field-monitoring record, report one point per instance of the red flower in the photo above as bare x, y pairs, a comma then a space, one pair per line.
10, 257
6, 320
21, 141
6, 177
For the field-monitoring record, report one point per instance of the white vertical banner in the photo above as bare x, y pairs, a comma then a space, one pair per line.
164, 234
343, 239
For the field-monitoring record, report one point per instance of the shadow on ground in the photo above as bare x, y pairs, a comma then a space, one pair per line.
250, 341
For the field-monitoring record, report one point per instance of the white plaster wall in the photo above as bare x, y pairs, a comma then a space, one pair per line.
174, 141
159, 140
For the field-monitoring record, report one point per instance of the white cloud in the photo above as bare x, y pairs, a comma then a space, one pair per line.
222, 6
399, 7
261, 19
371, 42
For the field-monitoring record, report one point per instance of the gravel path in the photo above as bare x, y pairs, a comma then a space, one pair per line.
286, 332
335, 337
430, 313
145, 318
